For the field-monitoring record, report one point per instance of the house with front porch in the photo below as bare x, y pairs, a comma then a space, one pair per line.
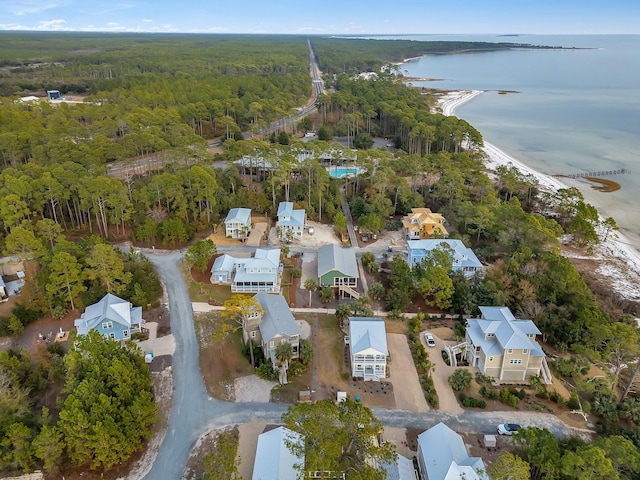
112, 316
368, 350
462, 258
260, 273
338, 268
504, 347
238, 223
422, 223
290, 223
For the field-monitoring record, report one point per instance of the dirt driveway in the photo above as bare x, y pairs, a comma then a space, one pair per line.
402, 374
447, 401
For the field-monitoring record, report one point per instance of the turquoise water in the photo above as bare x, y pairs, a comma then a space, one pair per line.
576, 110
339, 172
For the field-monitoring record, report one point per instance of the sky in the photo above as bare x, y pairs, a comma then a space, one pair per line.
339, 17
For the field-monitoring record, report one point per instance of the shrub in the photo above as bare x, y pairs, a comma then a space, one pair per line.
490, 393
470, 402
483, 379
508, 398
266, 371
573, 402
295, 368
460, 379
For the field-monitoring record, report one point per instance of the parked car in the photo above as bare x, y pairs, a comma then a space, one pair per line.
508, 428
428, 337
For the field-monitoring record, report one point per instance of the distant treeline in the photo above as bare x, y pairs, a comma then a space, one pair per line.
352, 55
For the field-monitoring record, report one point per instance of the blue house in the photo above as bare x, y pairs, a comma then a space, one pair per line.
462, 258
290, 224
238, 223
223, 268
112, 316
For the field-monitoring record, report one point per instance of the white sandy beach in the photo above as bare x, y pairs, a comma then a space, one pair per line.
619, 257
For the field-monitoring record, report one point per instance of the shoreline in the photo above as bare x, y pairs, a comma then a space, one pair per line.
624, 248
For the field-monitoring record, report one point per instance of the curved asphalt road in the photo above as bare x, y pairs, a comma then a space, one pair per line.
193, 412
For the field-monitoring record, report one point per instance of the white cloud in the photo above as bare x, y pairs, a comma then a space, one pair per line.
113, 24
147, 20
58, 24
30, 7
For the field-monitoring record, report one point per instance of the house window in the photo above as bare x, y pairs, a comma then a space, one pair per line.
491, 334
491, 359
515, 361
271, 344
107, 325
253, 334
510, 350
525, 350
125, 333
112, 336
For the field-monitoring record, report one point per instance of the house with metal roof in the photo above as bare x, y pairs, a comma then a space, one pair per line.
337, 267
422, 223
274, 460
462, 258
276, 325
112, 316
223, 268
400, 469
290, 223
368, 350
260, 273
504, 347
238, 223
442, 455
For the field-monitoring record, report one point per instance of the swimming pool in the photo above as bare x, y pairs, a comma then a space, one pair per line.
339, 172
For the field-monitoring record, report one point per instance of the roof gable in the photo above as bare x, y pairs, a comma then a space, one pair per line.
333, 258
238, 215
277, 318
274, 460
367, 334
445, 456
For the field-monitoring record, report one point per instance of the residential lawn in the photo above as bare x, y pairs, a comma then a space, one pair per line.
205, 292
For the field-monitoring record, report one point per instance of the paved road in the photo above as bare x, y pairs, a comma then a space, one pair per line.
193, 412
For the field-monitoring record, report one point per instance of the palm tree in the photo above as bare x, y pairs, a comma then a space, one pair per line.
310, 286
284, 353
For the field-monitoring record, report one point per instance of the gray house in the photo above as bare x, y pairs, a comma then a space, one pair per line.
277, 325
112, 316
238, 223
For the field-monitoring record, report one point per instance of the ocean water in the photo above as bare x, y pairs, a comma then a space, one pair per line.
576, 109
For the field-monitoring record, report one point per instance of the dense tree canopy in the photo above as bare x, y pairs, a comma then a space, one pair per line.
109, 408
339, 437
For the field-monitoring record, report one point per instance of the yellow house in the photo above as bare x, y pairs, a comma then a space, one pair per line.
422, 223
504, 347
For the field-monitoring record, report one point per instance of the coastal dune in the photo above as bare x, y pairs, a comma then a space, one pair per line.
618, 252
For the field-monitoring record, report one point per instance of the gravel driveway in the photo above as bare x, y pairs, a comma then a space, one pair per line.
447, 401
402, 374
